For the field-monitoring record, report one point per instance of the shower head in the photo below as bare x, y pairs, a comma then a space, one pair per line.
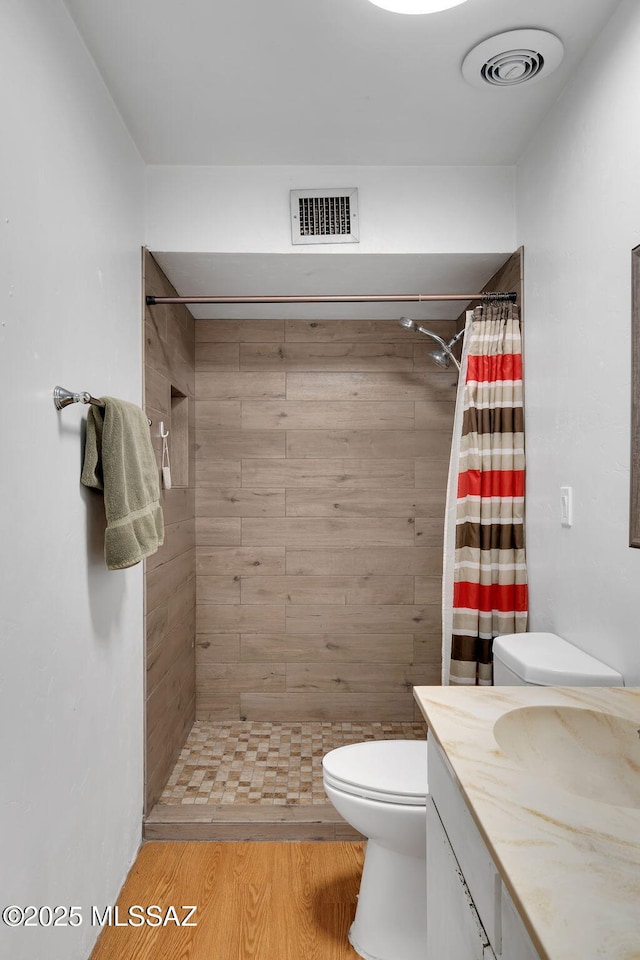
409, 324
443, 356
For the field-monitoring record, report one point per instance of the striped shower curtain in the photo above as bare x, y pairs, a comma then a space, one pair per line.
488, 577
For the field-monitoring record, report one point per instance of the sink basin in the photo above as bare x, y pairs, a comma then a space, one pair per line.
584, 752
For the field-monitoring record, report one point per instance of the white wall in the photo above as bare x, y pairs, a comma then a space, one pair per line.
578, 204
401, 209
71, 222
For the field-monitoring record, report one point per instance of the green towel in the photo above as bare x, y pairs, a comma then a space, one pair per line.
119, 459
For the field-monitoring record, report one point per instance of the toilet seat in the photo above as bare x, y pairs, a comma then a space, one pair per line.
390, 771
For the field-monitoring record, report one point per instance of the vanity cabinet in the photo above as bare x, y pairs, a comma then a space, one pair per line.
470, 915
454, 928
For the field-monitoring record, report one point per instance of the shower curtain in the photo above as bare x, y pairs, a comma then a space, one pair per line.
485, 576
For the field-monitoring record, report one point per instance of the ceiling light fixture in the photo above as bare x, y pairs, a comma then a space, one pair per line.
416, 6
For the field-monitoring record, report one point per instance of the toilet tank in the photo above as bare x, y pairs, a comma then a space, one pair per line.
546, 660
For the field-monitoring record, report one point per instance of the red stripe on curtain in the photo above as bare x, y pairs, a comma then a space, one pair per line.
491, 483
492, 596
501, 366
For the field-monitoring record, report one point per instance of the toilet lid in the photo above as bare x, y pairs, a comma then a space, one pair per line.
393, 771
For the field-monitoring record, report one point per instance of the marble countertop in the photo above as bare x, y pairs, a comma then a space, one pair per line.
571, 865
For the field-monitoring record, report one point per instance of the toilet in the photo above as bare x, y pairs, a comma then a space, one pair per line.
380, 788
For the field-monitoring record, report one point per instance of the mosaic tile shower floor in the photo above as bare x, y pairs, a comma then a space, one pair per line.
266, 763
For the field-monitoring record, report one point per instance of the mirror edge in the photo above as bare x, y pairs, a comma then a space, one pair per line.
634, 499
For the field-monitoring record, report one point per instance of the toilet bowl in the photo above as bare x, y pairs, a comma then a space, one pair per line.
380, 788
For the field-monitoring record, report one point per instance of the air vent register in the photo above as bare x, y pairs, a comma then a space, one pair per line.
518, 56
324, 216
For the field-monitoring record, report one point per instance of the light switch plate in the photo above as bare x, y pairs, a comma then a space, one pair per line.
566, 506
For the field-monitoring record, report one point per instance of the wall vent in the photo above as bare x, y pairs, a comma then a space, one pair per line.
324, 216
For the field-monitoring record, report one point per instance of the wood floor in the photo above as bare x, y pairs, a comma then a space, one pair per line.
255, 901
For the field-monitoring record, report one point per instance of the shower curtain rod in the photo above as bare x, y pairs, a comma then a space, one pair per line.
363, 298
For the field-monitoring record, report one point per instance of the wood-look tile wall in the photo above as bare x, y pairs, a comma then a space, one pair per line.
170, 591
322, 456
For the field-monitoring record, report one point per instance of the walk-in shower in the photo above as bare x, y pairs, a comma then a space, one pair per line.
291, 661
444, 355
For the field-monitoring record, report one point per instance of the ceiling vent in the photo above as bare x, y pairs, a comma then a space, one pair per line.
324, 216
508, 59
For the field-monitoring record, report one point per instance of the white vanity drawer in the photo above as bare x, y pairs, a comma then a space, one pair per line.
468, 846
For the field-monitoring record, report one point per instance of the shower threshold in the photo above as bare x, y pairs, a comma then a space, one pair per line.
254, 780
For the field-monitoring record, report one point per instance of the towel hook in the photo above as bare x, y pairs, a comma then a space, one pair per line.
163, 434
